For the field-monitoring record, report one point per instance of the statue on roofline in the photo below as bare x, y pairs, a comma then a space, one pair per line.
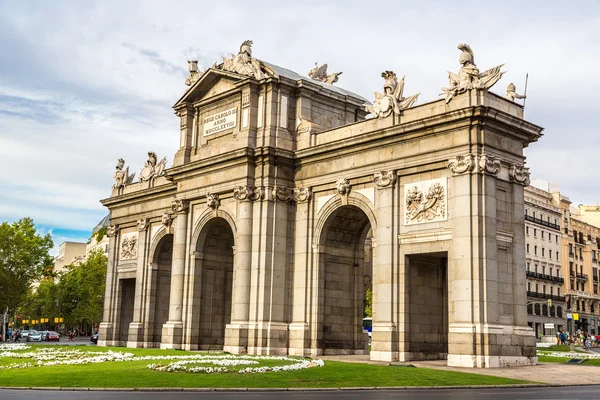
195, 74
152, 168
122, 177
511, 93
392, 99
468, 76
243, 63
320, 74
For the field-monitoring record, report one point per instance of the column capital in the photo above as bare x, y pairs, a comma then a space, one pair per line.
462, 164
112, 230
385, 179
142, 224
251, 193
180, 206
519, 174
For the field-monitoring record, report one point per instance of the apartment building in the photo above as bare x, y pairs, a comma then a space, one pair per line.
546, 308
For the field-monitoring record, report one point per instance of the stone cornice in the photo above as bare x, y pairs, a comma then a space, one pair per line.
142, 195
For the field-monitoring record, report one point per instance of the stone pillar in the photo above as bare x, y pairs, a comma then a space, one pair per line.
301, 286
173, 328
383, 346
236, 333
106, 330
136, 327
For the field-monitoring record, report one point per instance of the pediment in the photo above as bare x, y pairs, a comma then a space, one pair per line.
211, 83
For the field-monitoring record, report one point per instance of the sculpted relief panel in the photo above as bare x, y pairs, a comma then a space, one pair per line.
426, 201
129, 245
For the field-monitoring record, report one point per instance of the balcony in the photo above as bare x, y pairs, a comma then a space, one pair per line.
545, 296
582, 277
540, 221
571, 273
596, 278
546, 277
579, 293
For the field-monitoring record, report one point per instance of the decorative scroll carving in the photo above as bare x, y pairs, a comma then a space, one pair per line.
122, 177
384, 179
152, 168
392, 99
244, 64
194, 73
519, 174
425, 201
468, 76
129, 247
489, 164
302, 194
180, 206
303, 126
112, 230
166, 219
212, 200
282, 193
320, 74
248, 193
143, 224
342, 185
461, 164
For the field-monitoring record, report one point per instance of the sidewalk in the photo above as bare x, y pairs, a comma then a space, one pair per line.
552, 374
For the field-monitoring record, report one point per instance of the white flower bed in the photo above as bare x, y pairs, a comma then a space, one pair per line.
196, 363
14, 346
544, 345
589, 356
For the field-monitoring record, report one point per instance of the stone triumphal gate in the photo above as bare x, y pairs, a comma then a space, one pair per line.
285, 204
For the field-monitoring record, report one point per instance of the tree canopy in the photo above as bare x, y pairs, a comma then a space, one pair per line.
24, 257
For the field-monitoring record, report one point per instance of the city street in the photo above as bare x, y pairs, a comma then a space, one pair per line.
572, 393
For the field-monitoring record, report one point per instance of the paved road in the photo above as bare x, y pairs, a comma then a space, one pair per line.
64, 341
558, 393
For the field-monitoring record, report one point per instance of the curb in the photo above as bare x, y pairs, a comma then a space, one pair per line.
364, 388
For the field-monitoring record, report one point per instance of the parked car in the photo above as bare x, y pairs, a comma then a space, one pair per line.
94, 338
52, 336
25, 335
35, 336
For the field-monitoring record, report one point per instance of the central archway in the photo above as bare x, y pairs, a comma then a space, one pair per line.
215, 280
161, 284
345, 274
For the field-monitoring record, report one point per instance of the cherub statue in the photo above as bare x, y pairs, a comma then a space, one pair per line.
152, 169
511, 93
392, 99
468, 76
320, 74
194, 73
122, 177
243, 63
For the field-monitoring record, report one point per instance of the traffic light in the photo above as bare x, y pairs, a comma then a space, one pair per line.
549, 302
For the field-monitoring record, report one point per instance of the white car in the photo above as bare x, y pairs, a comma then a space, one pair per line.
35, 336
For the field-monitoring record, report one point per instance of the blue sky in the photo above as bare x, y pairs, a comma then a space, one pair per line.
84, 83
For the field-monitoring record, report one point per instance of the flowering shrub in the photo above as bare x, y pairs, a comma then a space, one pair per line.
195, 363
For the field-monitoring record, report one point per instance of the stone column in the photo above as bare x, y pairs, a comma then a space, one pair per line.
236, 333
136, 327
173, 328
301, 285
382, 339
106, 330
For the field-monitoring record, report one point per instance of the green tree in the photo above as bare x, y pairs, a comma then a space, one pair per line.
368, 304
80, 291
24, 257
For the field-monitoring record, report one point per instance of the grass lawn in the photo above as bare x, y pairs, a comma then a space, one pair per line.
561, 348
136, 374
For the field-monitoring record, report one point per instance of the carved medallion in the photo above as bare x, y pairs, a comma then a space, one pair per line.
519, 174
129, 245
342, 185
425, 201
212, 200
385, 179
461, 164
